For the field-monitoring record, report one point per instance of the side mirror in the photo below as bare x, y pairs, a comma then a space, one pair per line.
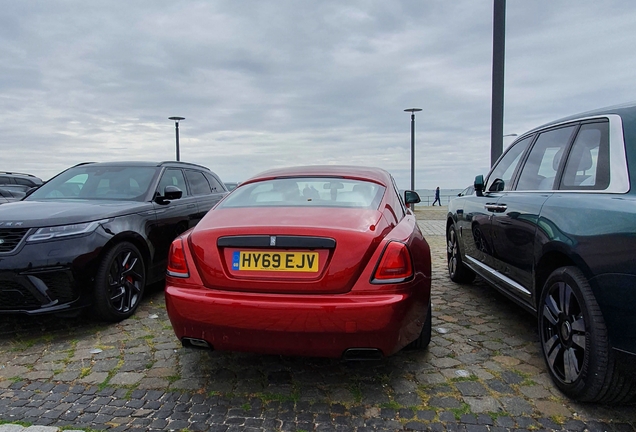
172, 193
479, 185
169, 193
411, 197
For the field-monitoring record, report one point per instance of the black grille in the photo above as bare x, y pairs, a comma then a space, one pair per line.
60, 286
17, 292
15, 296
10, 238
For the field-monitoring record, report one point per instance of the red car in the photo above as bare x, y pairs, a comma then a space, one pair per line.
323, 261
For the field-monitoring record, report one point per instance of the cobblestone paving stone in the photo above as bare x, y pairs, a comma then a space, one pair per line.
482, 372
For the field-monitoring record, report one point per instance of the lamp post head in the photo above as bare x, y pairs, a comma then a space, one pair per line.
413, 110
176, 119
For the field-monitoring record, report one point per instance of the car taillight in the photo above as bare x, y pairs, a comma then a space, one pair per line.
177, 265
395, 264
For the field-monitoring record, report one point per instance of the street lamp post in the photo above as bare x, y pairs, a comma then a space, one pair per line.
413, 111
176, 131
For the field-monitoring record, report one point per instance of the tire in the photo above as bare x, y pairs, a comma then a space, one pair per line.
425, 335
575, 343
119, 283
457, 271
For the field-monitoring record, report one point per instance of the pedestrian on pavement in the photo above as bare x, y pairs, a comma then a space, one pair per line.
437, 197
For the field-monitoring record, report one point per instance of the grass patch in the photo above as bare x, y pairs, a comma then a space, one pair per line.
173, 378
459, 412
391, 405
560, 420
17, 422
356, 391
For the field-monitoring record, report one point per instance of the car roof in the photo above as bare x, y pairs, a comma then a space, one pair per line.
377, 175
627, 109
145, 164
31, 177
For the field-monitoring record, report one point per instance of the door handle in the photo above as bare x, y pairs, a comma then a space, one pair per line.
191, 205
496, 208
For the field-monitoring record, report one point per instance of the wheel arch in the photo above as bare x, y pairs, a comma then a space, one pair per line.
554, 258
131, 237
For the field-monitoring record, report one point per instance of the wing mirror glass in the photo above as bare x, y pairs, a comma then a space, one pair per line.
479, 185
411, 197
169, 193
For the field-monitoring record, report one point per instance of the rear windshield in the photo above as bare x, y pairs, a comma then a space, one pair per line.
307, 192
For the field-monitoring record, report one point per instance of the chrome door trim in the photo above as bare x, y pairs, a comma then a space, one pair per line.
498, 275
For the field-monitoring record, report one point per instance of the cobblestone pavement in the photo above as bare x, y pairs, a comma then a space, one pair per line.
482, 372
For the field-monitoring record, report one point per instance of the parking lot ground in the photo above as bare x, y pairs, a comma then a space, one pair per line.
482, 372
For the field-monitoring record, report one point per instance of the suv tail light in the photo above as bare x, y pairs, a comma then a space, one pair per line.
395, 264
177, 265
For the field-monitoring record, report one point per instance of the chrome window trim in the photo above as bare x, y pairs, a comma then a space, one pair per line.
619, 173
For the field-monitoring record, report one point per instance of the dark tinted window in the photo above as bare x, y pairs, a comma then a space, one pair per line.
172, 177
22, 181
587, 166
5, 180
214, 183
540, 169
198, 183
500, 177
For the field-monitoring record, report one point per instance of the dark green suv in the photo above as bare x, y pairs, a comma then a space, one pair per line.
553, 227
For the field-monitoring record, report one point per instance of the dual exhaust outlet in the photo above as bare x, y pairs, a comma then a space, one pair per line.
351, 354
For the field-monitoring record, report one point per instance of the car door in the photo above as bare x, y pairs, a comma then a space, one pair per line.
516, 214
172, 216
206, 194
474, 212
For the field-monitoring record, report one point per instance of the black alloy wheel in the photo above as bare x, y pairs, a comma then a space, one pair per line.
457, 271
575, 342
120, 282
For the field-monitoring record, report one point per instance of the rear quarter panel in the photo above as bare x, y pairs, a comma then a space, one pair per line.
598, 234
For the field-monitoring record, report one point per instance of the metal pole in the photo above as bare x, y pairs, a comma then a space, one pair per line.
176, 130
498, 60
413, 151
413, 111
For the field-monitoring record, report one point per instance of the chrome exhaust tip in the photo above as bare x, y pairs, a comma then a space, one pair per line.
362, 354
195, 343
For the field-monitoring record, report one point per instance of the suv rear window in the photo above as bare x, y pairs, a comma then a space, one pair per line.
587, 166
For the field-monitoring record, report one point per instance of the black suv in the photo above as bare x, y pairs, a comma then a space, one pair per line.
18, 182
97, 233
553, 227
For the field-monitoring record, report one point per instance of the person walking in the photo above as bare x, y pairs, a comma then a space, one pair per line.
437, 197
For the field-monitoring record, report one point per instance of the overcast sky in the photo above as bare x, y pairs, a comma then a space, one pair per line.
265, 84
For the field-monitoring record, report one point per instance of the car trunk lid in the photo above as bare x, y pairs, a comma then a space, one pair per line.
295, 250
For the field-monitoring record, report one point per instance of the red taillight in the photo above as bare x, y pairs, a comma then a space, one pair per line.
395, 264
177, 265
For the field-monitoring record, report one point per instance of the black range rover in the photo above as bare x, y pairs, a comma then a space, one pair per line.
553, 227
97, 234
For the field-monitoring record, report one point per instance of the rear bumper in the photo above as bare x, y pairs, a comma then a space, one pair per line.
312, 325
